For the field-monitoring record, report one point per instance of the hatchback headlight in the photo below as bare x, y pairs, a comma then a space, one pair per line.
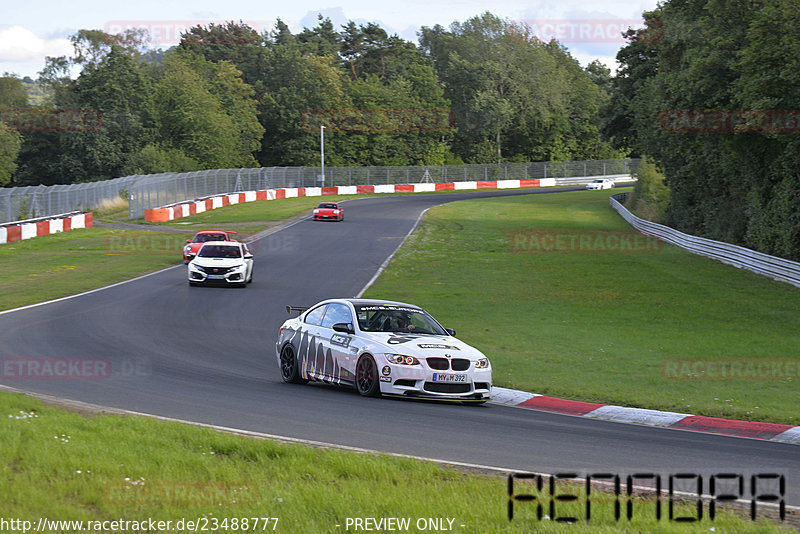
401, 359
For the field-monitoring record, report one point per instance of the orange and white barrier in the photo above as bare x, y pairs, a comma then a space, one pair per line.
168, 213
35, 228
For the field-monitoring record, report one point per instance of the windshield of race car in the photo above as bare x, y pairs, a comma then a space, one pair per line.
385, 318
220, 251
328, 206
202, 238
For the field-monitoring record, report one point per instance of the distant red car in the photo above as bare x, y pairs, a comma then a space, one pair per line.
329, 211
193, 245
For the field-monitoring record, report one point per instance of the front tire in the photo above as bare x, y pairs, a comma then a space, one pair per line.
367, 377
290, 370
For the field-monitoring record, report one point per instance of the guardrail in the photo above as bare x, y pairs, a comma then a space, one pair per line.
29, 228
744, 258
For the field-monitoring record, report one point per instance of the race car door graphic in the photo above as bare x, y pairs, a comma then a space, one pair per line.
340, 361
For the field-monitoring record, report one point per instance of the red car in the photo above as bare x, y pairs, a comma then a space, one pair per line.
328, 211
193, 245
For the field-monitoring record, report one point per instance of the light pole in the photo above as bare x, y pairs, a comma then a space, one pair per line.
322, 151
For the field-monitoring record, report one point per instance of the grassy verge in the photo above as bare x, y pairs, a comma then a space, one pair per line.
543, 287
66, 466
58, 265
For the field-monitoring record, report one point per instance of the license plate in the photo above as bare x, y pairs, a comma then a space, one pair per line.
443, 377
216, 277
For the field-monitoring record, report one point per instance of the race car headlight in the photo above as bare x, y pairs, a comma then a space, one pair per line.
336, 212
482, 363
187, 248
316, 211
401, 359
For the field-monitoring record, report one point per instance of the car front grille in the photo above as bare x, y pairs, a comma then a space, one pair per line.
481, 385
443, 364
214, 270
459, 364
441, 387
440, 364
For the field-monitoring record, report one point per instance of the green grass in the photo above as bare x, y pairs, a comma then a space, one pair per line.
58, 265
66, 466
597, 326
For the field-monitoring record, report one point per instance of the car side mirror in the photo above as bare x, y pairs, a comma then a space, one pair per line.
248, 256
188, 240
346, 328
450, 331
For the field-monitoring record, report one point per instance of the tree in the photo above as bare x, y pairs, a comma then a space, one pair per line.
12, 93
10, 143
193, 120
710, 98
514, 97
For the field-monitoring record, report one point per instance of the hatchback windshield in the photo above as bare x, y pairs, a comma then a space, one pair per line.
388, 318
220, 251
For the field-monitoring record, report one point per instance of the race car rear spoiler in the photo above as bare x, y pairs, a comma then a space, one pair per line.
298, 309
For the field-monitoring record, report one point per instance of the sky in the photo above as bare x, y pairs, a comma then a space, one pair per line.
31, 31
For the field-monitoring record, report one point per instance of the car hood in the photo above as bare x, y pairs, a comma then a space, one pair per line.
423, 346
217, 262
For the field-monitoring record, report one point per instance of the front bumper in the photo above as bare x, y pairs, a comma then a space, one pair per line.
406, 381
233, 277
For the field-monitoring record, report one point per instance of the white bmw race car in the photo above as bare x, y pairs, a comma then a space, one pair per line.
381, 347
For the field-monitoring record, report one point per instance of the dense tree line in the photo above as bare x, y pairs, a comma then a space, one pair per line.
226, 96
710, 89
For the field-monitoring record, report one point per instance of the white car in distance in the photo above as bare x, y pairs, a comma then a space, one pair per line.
602, 183
223, 263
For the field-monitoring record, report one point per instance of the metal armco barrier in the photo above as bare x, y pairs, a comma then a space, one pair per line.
741, 257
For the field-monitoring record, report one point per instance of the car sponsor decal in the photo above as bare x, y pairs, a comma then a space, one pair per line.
386, 379
436, 346
386, 371
341, 340
389, 307
316, 363
396, 340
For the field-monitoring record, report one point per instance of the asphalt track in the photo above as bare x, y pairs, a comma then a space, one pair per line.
207, 355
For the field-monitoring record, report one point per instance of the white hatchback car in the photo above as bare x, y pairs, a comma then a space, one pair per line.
602, 183
381, 347
221, 262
